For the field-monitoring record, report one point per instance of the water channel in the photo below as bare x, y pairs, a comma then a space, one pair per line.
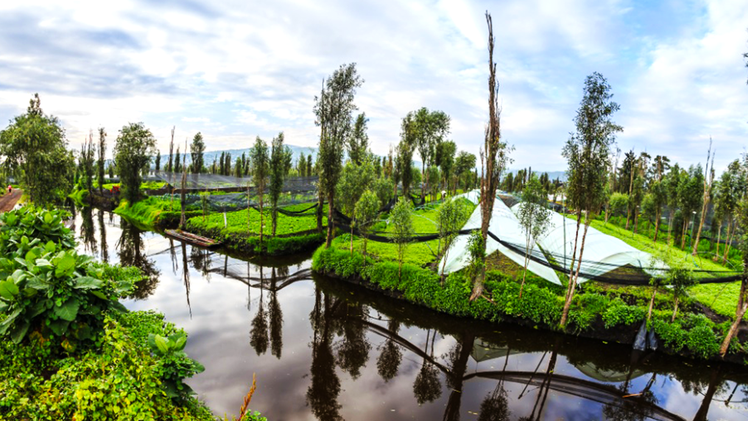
326, 350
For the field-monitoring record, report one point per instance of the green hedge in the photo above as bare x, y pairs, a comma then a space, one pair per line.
541, 304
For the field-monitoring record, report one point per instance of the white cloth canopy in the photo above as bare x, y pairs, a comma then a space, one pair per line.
505, 225
602, 253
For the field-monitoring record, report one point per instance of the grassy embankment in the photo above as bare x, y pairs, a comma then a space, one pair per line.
609, 313
241, 230
722, 298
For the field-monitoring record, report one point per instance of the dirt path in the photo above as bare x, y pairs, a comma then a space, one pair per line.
8, 201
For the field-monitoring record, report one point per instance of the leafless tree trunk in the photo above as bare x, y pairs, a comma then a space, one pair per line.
572, 280
740, 311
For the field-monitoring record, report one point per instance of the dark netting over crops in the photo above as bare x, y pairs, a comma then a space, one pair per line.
238, 201
212, 182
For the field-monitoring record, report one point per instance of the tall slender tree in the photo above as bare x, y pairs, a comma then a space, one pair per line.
170, 166
197, 150
333, 110
358, 141
280, 164
494, 157
102, 158
708, 184
260, 171
588, 154
133, 149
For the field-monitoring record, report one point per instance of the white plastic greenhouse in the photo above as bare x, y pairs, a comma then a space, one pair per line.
504, 224
602, 253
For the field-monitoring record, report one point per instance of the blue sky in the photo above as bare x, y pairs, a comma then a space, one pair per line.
237, 69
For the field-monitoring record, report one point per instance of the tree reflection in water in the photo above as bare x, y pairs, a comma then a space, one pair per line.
353, 348
258, 334
88, 231
201, 261
390, 355
427, 387
322, 394
130, 250
458, 359
275, 313
102, 235
186, 276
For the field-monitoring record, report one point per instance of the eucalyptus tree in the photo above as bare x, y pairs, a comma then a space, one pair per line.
383, 188
260, 172
534, 218
177, 162
354, 181
708, 179
428, 131
494, 157
464, 164
197, 150
358, 141
35, 149
280, 165
402, 220
333, 110
690, 196
102, 158
158, 161
680, 278
133, 149
742, 304
672, 181
588, 154
404, 152
301, 165
366, 212
87, 162
658, 192
730, 188
445, 155
170, 165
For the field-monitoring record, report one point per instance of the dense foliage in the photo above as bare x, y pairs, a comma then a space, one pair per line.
34, 148
133, 149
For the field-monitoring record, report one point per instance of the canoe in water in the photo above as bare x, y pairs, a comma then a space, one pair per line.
193, 239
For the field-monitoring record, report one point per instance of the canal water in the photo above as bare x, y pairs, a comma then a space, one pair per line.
325, 350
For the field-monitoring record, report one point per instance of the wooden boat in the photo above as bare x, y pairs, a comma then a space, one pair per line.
193, 239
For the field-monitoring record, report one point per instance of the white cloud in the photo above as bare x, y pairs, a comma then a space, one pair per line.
234, 71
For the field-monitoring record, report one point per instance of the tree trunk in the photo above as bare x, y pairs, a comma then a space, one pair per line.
716, 248
739, 314
351, 238
636, 221
685, 232
330, 223
658, 215
182, 219
651, 304
572, 279
675, 309
730, 234
670, 227
524, 274
320, 209
701, 225
261, 213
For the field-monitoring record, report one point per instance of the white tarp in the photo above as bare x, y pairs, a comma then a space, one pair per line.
473, 196
505, 225
602, 252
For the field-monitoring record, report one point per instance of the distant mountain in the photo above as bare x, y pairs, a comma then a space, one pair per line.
561, 175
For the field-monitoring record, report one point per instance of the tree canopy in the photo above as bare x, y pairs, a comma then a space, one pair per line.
133, 149
35, 150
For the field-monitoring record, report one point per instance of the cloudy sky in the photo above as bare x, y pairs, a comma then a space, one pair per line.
237, 69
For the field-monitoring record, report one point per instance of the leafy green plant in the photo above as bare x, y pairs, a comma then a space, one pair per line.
174, 365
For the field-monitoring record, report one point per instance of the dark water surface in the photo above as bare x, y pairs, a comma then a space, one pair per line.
326, 350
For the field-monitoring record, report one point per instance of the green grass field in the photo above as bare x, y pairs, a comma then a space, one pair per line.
420, 253
722, 298
248, 221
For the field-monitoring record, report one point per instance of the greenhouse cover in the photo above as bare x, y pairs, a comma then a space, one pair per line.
504, 225
602, 253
